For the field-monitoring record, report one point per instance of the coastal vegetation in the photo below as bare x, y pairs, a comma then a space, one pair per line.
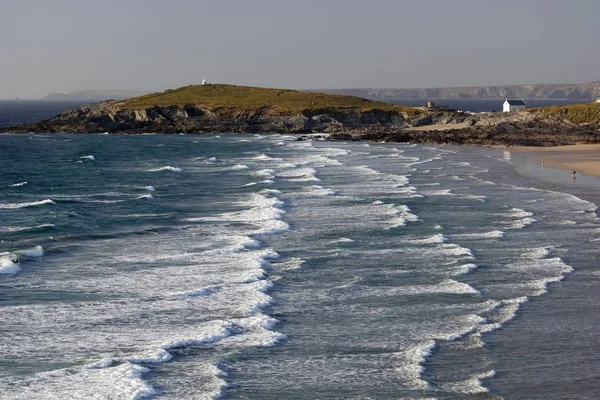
246, 99
587, 113
242, 109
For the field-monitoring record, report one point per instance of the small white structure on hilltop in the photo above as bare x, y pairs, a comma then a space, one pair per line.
513, 105
598, 100
204, 81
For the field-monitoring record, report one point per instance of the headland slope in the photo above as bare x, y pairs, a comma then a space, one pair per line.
243, 109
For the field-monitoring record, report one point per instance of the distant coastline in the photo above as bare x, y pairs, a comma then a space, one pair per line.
93, 95
584, 91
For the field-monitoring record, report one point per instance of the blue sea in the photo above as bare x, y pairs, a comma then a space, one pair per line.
14, 112
262, 267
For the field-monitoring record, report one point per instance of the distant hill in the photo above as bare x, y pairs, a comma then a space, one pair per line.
94, 95
584, 91
247, 99
226, 108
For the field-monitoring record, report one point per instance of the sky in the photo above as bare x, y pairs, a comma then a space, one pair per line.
150, 45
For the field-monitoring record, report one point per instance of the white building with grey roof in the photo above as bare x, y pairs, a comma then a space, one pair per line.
514, 105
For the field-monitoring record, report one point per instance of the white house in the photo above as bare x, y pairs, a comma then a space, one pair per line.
598, 100
514, 105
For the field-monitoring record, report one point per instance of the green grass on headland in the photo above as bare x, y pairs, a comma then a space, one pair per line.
245, 99
587, 113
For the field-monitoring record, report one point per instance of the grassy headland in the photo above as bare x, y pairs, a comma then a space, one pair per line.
246, 99
586, 113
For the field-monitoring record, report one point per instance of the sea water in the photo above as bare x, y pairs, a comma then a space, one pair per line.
262, 267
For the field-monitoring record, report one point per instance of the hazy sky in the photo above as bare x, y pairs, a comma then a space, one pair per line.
57, 45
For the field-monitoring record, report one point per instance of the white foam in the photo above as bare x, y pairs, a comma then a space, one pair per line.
424, 161
238, 167
99, 383
473, 197
166, 168
265, 173
145, 196
519, 224
12, 206
300, 174
19, 184
265, 212
378, 202
202, 292
342, 240
36, 251
149, 188
448, 286
455, 250
400, 215
410, 363
293, 263
503, 312
565, 222
316, 160
469, 386
286, 165
24, 228
264, 157
89, 157
519, 213
441, 192
9, 265
483, 235
537, 252
452, 286
365, 169
206, 338
464, 269
435, 239
158, 356
321, 191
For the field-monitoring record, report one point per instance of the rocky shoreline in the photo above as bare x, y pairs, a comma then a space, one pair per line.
499, 135
450, 127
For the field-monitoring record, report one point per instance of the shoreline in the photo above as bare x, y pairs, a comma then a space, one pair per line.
575, 295
583, 158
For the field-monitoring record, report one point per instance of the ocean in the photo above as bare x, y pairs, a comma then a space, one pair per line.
262, 267
13, 112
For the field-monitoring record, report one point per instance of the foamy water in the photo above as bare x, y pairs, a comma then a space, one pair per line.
212, 267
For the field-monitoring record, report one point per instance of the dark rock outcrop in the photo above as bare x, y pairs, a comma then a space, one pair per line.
523, 128
111, 117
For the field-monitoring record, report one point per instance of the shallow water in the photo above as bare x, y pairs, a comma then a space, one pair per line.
258, 266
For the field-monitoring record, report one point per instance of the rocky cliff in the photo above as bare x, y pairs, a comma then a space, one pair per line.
256, 110
111, 117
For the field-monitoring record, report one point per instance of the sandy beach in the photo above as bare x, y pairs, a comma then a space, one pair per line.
583, 158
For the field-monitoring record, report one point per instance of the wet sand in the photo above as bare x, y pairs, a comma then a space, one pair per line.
583, 158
